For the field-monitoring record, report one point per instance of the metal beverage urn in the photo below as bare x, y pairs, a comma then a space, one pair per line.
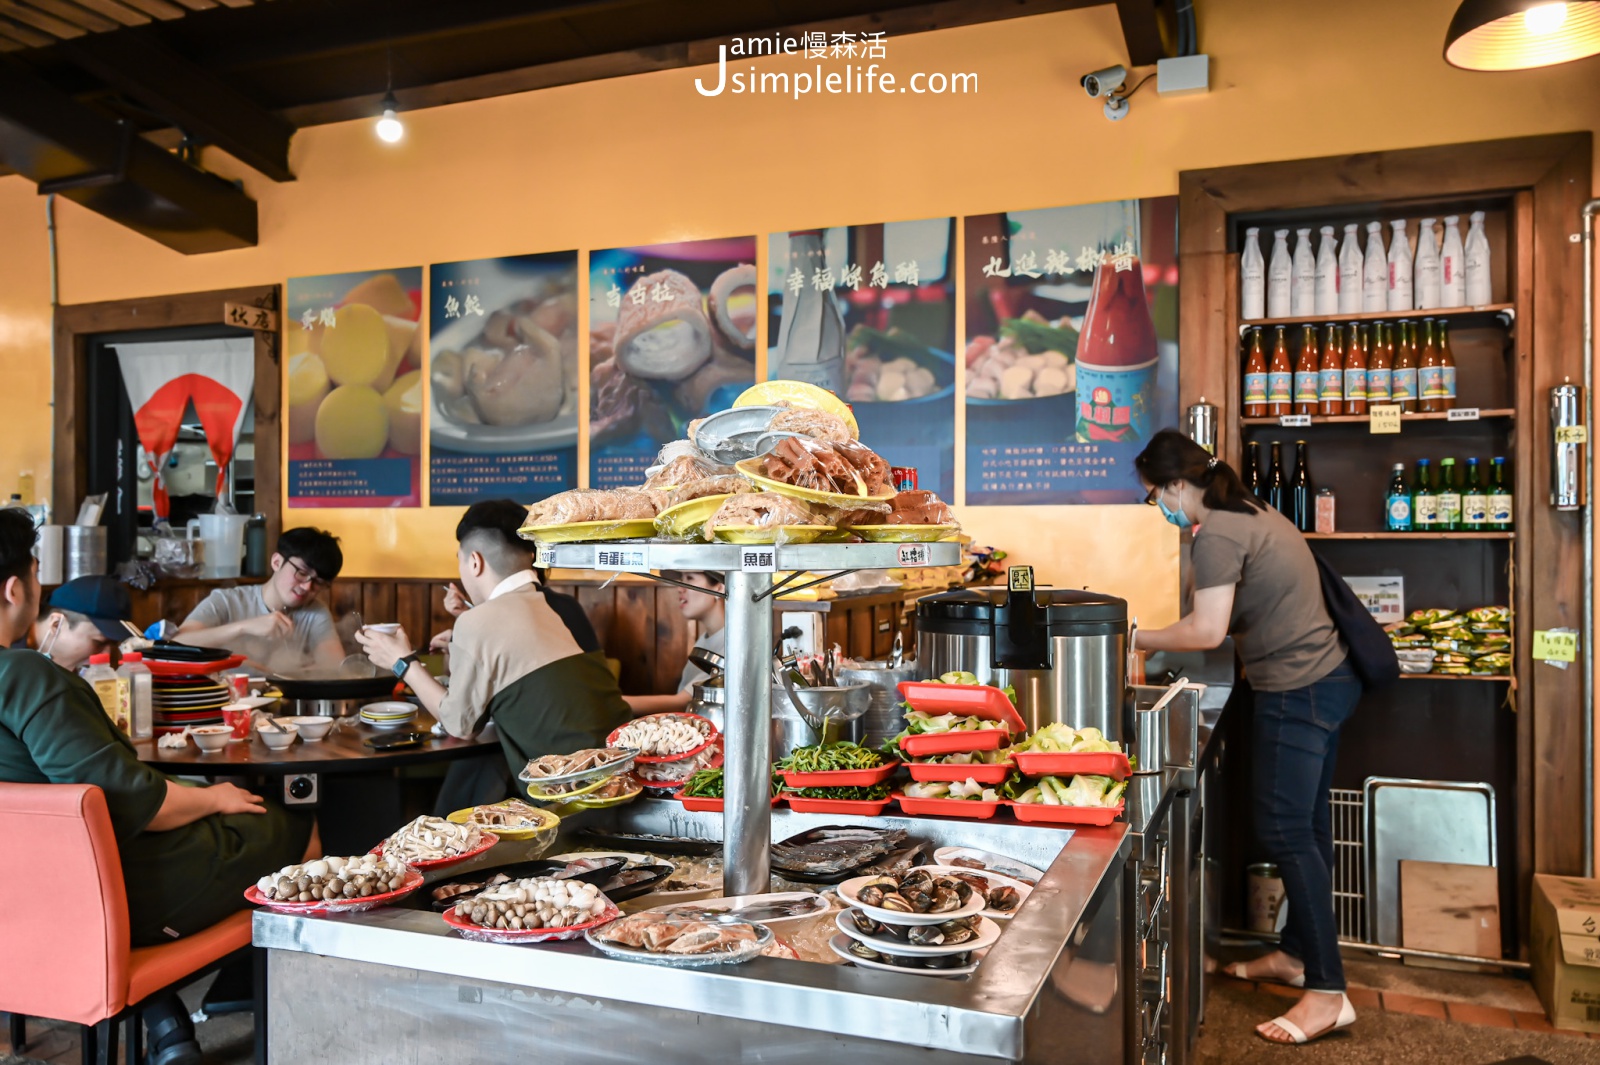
1065, 651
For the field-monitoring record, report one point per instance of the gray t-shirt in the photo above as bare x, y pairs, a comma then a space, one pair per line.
313, 624
693, 674
1285, 637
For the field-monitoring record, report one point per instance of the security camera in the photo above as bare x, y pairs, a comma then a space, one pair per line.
1104, 82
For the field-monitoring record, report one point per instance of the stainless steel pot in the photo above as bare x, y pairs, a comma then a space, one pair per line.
845, 705
883, 718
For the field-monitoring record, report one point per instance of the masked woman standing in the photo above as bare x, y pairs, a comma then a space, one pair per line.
1256, 580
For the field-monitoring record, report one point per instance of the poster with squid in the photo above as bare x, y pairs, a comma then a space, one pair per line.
353, 347
503, 375
868, 312
672, 336
1071, 349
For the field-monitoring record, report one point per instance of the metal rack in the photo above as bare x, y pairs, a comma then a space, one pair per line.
751, 578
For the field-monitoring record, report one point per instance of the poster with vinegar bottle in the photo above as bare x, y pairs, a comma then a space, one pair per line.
1071, 349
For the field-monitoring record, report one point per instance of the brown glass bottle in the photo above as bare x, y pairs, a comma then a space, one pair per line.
1355, 371
1447, 363
1305, 373
1430, 374
1378, 364
1404, 375
1330, 374
1255, 377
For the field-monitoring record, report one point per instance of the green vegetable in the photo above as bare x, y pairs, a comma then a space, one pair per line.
707, 784
831, 757
1038, 337
1083, 790
872, 794
1057, 738
893, 344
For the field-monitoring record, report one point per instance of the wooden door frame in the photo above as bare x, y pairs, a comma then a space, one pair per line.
1555, 171
75, 326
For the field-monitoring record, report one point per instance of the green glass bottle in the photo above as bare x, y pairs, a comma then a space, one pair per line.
1500, 519
1449, 497
1424, 501
1474, 501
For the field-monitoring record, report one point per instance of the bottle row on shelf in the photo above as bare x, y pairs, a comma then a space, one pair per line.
1449, 272
1352, 368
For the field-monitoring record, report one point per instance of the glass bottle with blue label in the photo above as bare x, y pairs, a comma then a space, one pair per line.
1397, 502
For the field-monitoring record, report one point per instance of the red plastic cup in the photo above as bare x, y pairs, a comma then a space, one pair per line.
904, 478
238, 720
239, 686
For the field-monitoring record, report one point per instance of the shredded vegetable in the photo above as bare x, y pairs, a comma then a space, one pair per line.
1082, 790
831, 757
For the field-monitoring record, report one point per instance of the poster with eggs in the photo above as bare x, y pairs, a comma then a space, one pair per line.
672, 337
868, 312
353, 351
503, 378
1071, 349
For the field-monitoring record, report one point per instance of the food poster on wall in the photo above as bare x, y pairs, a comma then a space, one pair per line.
354, 350
672, 336
868, 312
503, 371
1071, 349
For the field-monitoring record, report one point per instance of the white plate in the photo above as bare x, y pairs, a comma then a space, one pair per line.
764, 936
994, 863
994, 880
988, 932
633, 858
389, 708
841, 946
848, 889
734, 905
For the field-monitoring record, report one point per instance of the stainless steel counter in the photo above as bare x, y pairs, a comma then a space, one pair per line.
396, 985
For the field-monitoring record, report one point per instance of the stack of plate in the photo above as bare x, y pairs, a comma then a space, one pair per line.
388, 714
185, 702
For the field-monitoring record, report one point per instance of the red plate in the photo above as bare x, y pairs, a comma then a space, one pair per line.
652, 759
1059, 763
412, 882
192, 669
704, 804
947, 807
489, 840
968, 700
1066, 815
477, 932
836, 778
983, 774
990, 739
865, 807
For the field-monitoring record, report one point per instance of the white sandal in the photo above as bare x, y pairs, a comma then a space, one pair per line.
1347, 1017
1236, 970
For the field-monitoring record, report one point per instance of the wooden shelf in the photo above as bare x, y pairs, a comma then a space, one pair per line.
1426, 536
1484, 414
1507, 309
1497, 677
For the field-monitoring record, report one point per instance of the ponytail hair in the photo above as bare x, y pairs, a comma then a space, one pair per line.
1171, 456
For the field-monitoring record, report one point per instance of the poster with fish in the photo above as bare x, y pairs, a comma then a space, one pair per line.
868, 312
1071, 349
353, 347
672, 337
503, 376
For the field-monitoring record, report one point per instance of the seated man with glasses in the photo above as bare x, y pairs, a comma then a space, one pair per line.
278, 625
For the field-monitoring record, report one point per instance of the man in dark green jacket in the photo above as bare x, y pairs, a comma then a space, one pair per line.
187, 853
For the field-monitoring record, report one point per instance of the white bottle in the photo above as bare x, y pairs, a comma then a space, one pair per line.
1452, 263
1252, 278
1425, 271
111, 689
1327, 276
1477, 263
1374, 271
1303, 282
1350, 264
1399, 267
1279, 272
141, 700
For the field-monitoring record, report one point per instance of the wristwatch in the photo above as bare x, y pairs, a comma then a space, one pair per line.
403, 664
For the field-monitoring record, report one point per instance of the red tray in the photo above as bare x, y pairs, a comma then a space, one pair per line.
411, 883
477, 932
1038, 812
947, 807
1060, 764
855, 778
192, 669
657, 759
927, 743
489, 840
864, 807
983, 774
968, 700
703, 804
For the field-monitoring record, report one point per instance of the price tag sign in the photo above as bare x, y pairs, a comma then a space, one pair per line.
1385, 418
542, 556
1020, 578
912, 555
622, 559
1572, 434
758, 559
1462, 414
1295, 421
1555, 645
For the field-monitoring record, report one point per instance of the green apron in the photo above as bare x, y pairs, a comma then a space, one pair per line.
563, 707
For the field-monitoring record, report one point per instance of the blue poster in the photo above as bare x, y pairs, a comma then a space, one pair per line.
868, 312
672, 338
1071, 350
503, 365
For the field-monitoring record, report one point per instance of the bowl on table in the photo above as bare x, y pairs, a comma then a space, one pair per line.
311, 729
279, 738
212, 738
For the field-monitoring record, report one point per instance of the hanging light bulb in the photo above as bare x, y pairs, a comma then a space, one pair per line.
1522, 34
389, 127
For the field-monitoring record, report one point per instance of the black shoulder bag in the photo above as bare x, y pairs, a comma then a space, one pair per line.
1371, 653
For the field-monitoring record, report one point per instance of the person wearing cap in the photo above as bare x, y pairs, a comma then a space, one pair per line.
86, 616
704, 604
279, 625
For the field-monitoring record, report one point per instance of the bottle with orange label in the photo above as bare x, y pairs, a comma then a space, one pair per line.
1378, 366
1355, 372
1255, 377
1305, 373
1330, 374
1403, 378
1280, 379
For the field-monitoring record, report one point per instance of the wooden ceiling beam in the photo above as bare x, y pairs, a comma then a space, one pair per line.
78, 15
116, 10
40, 20
1141, 30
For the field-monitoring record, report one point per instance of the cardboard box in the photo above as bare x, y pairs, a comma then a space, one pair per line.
1565, 948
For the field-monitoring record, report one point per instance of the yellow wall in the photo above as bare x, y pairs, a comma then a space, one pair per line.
646, 159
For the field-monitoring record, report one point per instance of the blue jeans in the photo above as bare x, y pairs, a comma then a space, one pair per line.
1296, 736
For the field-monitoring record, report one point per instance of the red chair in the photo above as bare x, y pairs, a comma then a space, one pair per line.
64, 923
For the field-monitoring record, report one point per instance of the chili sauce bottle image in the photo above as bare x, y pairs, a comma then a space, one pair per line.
1117, 358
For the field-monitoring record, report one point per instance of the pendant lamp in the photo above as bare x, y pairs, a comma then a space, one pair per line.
1521, 34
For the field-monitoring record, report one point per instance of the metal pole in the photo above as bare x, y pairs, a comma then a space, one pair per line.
747, 751
1589, 211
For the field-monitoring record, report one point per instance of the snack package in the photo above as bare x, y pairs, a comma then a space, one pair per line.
844, 467
592, 504
760, 510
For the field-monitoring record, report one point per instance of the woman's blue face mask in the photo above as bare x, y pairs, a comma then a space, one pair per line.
1176, 517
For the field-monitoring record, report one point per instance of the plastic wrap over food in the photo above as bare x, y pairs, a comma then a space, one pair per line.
591, 504
683, 468
816, 424
717, 485
844, 467
766, 513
